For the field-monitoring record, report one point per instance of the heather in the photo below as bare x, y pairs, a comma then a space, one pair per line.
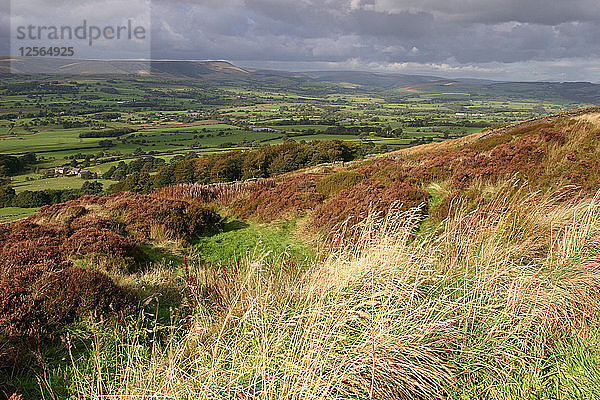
56, 266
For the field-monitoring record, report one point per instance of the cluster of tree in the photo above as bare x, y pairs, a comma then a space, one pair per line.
264, 162
81, 160
107, 116
39, 198
80, 156
352, 130
10, 165
106, 143
303, 121
90, 97
109, 90
34, 87
70, 124
144, 164
114, 132
363, 130
420, 122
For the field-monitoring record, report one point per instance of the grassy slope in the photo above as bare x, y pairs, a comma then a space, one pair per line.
495, 307
498, 299
240, 240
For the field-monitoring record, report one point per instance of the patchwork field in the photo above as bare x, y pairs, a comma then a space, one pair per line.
260, 235
95, 123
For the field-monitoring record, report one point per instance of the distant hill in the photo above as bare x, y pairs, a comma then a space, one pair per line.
222, 72
205, 70
197, 69
174, 69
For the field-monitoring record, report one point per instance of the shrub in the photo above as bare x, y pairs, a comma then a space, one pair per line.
24, 253
76, 292
370, 196
96, 222
179, 218
191, 221
36, 302
102, 241
331, 185
7, 194
289, 196
40, 289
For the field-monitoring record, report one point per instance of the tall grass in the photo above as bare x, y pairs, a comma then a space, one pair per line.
502, 304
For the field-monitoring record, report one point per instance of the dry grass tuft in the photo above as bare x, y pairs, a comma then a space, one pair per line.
472, 312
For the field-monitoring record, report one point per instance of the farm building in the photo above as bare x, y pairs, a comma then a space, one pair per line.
84, 173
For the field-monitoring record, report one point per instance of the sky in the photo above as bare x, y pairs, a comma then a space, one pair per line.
556, 40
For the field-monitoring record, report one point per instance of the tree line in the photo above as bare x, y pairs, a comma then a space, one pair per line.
11, 165
265, 162
114, 132
39, 198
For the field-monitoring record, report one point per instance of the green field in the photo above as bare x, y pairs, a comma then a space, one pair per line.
14, 213
55, 183
70, 122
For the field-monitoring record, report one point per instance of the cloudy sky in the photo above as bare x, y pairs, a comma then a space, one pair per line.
498, 39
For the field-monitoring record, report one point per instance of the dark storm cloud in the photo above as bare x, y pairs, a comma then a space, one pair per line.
404, 24
380, 32
545, 12
4, 28
479, 37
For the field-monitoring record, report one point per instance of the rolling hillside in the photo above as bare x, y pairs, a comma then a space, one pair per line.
170, 69
225, 73
463, 269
